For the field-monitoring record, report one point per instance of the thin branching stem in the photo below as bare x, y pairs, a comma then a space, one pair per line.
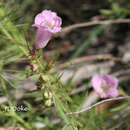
90, 107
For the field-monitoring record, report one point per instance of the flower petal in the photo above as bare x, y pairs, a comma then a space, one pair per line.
38, 19
96, 82
112, 81
113, 92
42, 38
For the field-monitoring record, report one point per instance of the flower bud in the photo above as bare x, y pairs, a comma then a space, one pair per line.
48, 95
44, 78
34, 67
48, 102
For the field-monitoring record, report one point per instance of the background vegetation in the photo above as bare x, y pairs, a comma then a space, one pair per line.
25, 99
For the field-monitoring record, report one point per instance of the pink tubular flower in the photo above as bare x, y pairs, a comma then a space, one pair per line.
47, 23
105, 85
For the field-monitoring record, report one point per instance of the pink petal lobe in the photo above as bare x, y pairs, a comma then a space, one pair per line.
38, 19
113, 92
96, 82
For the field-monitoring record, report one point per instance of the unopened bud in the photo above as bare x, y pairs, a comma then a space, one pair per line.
48, 95
34, 67
48, 102
45, 78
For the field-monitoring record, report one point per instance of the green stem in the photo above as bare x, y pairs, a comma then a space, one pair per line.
58, 104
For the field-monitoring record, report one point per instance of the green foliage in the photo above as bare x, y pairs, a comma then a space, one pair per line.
117, 9
95, 121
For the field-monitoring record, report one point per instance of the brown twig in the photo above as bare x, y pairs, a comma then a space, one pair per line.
91, 23
90, 107
90, 58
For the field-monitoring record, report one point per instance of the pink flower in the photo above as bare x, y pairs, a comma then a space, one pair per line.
47, 23
105, 85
